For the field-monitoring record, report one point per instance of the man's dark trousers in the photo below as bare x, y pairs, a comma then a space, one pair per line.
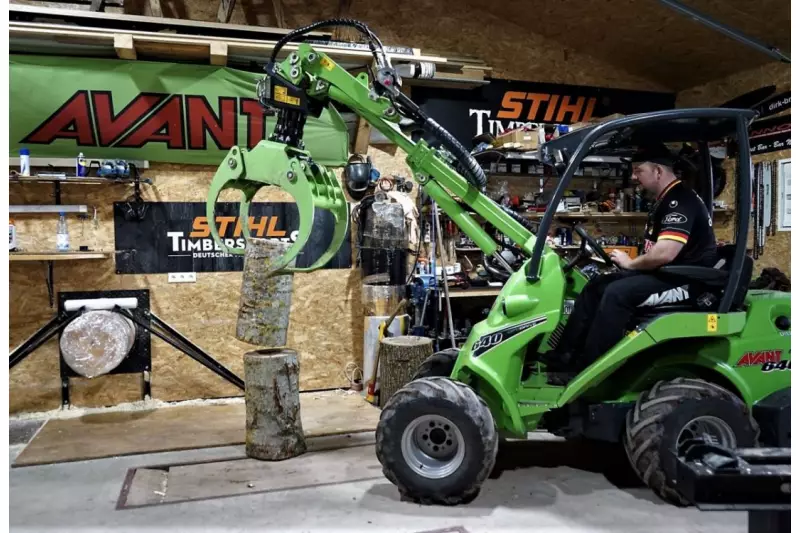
603, 310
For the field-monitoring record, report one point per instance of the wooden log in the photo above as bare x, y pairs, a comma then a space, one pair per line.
399, 358
274, 430
266, 299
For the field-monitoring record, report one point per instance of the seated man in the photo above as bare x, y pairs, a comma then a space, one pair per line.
678, 232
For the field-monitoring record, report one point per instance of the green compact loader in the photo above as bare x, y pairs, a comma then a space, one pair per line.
715, 367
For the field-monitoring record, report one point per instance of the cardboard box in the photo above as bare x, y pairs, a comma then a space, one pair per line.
520, 138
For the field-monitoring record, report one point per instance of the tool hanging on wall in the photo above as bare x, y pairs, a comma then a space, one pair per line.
773, 224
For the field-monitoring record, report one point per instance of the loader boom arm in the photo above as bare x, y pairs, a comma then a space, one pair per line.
308, 80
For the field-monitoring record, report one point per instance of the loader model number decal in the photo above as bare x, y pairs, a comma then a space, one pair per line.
780, 365
760, 358
490, 340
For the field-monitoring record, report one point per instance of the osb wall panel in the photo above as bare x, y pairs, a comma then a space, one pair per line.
326, 316
777, 248
514, 51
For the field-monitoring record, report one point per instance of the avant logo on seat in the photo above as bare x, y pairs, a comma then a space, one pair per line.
671, 296
490, 340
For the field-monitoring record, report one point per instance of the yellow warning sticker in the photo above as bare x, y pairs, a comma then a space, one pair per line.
326, 63
281, 95
712, 322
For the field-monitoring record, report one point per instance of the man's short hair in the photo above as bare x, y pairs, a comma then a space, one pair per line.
654, 153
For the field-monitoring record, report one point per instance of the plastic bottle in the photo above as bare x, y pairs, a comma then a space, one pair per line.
62, 234
24, 162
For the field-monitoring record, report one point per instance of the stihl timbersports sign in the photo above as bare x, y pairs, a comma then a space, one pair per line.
176, 236
110, 109
503, 105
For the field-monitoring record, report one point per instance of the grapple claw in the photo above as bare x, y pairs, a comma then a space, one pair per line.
311, 185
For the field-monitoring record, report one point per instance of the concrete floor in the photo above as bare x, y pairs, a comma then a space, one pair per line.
543, 486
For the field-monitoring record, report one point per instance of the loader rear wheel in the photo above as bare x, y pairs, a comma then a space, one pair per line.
671, 413
438, 364
436, 441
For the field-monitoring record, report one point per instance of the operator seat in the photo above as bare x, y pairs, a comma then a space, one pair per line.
705, 285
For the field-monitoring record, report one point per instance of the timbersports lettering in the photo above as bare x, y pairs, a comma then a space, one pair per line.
180, 121
759, 358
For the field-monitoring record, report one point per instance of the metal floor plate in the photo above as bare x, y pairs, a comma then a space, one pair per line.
165, 484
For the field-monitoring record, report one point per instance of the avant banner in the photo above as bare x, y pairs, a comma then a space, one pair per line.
177, 113
506, 104
176, 236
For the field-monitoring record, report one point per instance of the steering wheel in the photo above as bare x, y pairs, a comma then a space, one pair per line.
596, 248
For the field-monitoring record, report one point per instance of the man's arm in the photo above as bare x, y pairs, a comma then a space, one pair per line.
663, 252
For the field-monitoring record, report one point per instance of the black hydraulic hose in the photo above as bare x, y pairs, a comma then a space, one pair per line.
474, 172
516, 216
360, 26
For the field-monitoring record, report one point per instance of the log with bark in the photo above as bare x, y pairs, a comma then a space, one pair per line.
274, 430
266, 298
399, 358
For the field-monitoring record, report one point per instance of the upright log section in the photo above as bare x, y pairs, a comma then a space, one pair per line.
266, 299
399, 358
274, 430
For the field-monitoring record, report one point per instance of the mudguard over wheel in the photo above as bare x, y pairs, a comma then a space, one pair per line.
673, 412
437, 441
439, 364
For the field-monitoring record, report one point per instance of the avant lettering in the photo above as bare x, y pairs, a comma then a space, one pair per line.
181, 122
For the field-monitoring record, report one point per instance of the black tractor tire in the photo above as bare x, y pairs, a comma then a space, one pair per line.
456, 404
439, 364
654, 424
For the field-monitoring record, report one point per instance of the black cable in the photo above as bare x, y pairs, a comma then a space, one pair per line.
360, 26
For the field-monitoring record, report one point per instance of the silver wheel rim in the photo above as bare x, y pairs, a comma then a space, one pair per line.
709, 428
432, 446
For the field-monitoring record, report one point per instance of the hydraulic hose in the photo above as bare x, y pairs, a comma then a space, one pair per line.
360, 26
516, 216
474, 172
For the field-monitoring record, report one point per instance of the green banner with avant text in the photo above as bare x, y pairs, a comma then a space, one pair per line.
140, 110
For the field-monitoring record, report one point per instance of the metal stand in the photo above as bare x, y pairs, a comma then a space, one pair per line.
138, 359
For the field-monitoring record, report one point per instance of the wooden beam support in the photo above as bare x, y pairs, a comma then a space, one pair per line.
219, 53
277, 5
225, 10
155, 8
361, 142
124, 46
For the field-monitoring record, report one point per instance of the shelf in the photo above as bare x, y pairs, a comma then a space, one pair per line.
542, 176
56, 256
469, 249
473, 293
609, 216
73, 180
58, 208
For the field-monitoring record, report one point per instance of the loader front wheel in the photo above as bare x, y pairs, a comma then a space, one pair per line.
436, 441
673, 412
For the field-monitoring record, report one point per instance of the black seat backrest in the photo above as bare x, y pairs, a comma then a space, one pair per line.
725, 255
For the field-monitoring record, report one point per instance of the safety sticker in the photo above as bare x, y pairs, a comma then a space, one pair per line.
281, 95
326, 63
712, 322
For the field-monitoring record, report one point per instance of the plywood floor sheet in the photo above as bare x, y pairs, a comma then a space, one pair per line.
177, 428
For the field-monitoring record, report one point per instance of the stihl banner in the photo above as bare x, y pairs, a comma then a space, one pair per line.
176, 236
113, 109
504, 104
